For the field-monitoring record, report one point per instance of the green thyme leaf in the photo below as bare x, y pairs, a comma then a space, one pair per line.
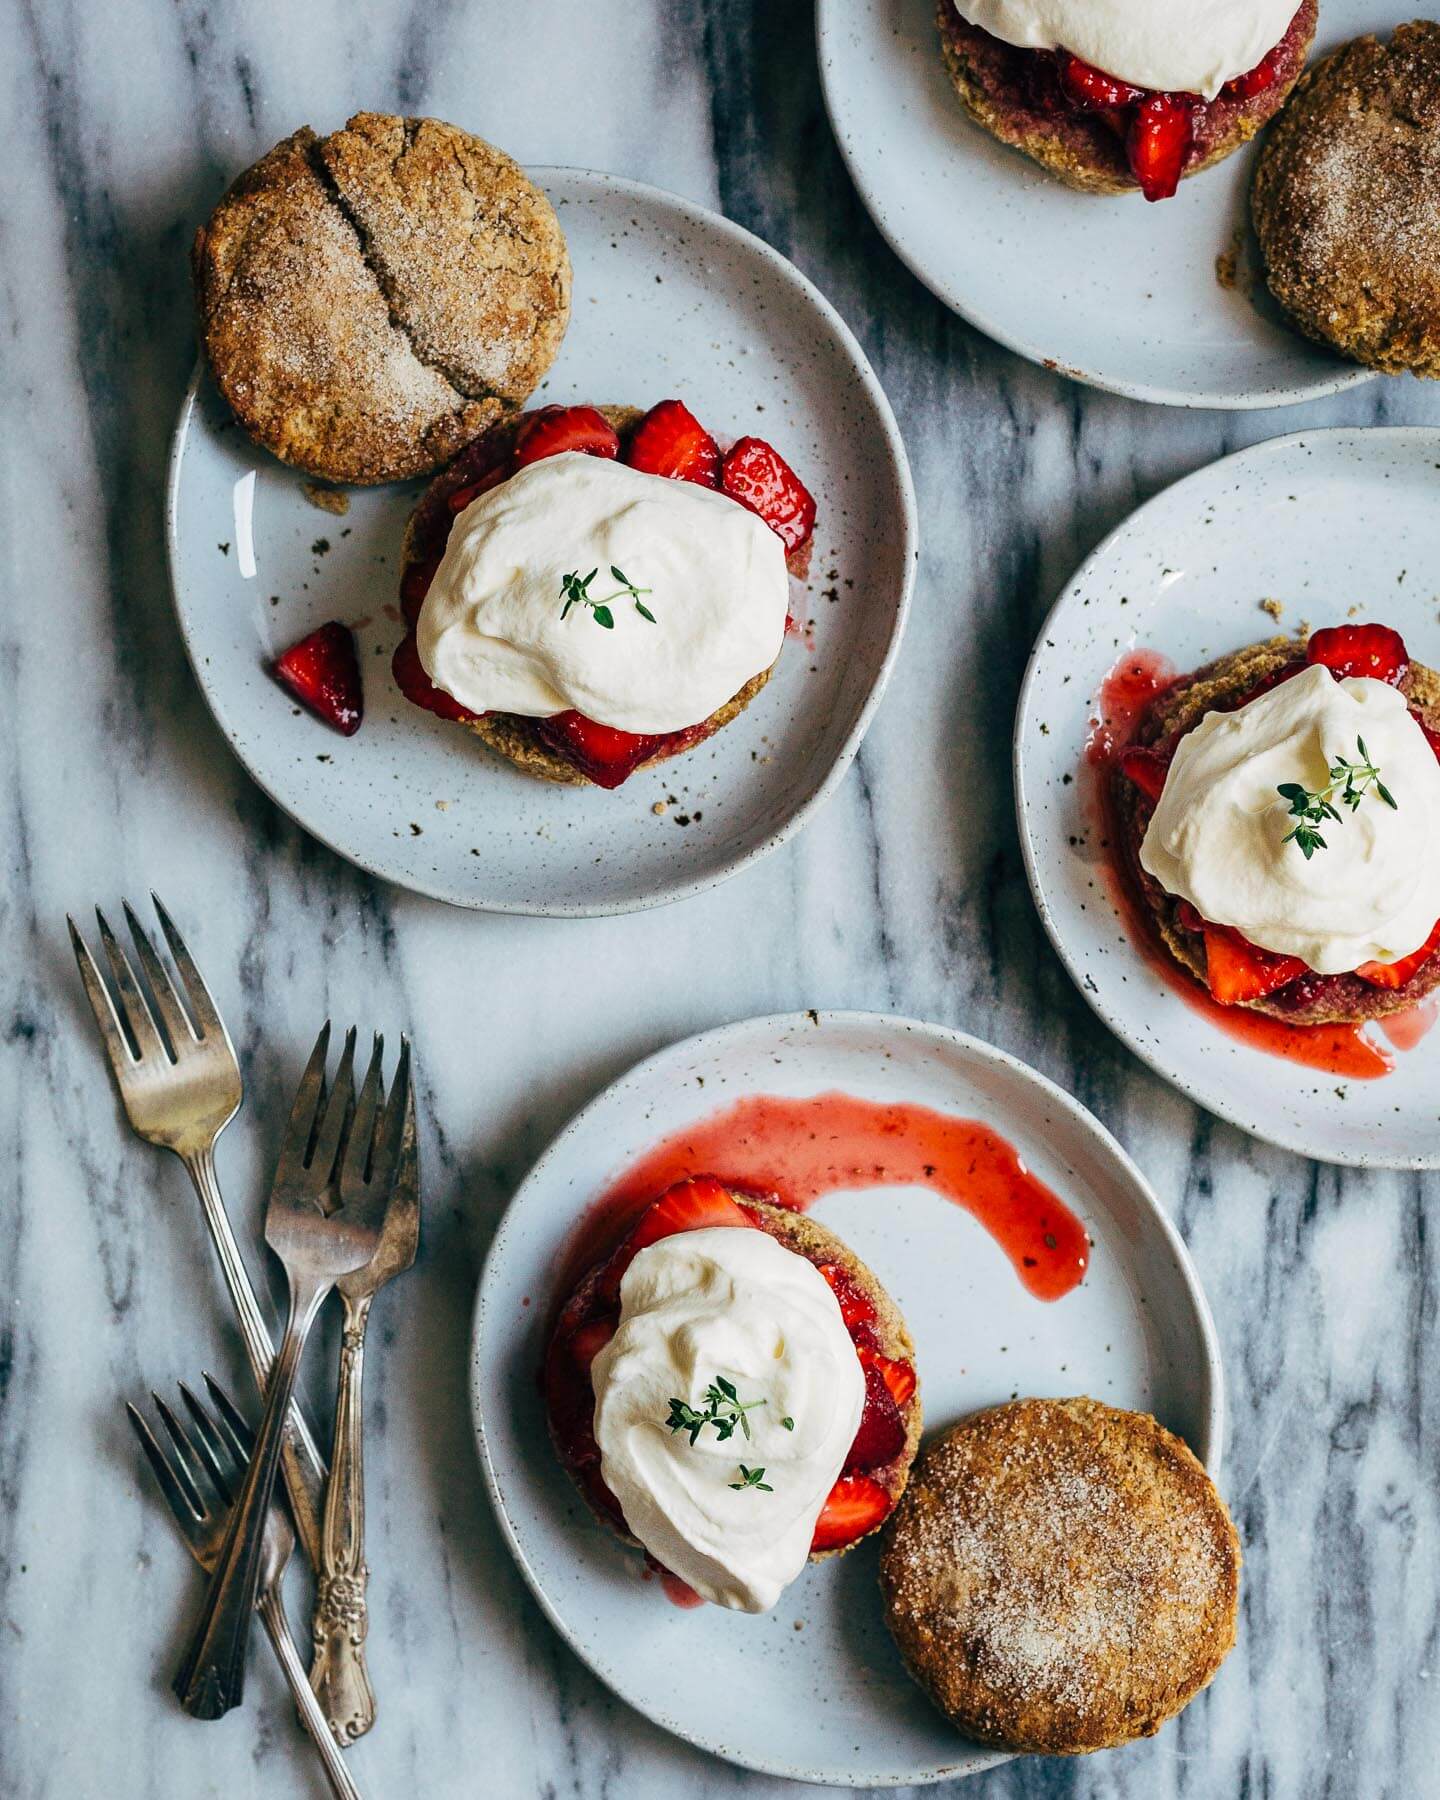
752, 1478
1351, 780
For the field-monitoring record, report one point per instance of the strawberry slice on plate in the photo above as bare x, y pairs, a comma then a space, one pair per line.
671, 441
555, 429
1373, 650
1158, 141
602, 753
855, 1506
1091, 90
758, 476
323, 671
1237, 970
1396, 974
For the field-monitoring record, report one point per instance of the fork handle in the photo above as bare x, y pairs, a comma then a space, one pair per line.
300, 1462
272, 1615
342, 1618
212, 1676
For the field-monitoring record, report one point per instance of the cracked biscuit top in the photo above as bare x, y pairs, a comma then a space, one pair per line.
371, 301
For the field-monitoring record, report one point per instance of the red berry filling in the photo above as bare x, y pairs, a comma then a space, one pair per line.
669, 441
857, 1502
323, 671
1237, 971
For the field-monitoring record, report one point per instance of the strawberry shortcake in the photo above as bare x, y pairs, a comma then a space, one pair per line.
733, 1392
594, 589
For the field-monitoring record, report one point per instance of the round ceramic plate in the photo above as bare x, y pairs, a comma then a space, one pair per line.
815, 1690
1329, 524
668, 299
1106, 289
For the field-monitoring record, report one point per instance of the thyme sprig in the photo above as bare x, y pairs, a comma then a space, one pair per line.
724, 1409
1312, 808
575, 591
752, 1478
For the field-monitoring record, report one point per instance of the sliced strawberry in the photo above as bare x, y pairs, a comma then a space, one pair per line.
1161, 131
457, 501
417, 687
415, 585
899, 1377
1396, 974
1090, 90
558, 428
759, 477
1146, 768
1255, 81
323, 670
1373, 650
856, 1307
880, 1437
590, 1340
602, 753
1237, 970
671, 441
691, 1205
856, 1505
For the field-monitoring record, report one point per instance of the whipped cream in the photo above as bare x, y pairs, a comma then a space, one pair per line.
726, 1301
491, 631
1216, 837
1191, 49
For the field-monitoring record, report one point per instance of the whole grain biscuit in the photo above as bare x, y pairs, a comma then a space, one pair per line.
1346, 202
1060, 1576
373, 353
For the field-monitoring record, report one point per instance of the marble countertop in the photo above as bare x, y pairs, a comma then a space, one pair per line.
120, 128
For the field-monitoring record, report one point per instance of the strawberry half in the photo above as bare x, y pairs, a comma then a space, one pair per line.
1157, 143
692, 1205
555, 429
1090, 90
602, 753
758, 476
416, 685
1373, 650
1237, 970
323, 671
1146, 768
671, 441
856, 1505
1396, 974
880, 1435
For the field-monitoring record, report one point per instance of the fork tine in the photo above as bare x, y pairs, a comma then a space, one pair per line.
137, 1015
117, 1045
309, 1097
209, 1445
367, 1108
171, 1473
399, 1121
185, 1460
202, 1008
339, 1106
178, 1027
232, 1423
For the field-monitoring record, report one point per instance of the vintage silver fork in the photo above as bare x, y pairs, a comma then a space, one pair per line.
315, 1248
338, 1672
198, 1478
180, 1085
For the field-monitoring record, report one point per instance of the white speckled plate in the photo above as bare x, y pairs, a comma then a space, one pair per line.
1323, 522
668, 299
815, 1690
1107, 289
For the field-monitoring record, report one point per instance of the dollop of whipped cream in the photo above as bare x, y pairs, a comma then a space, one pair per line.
1191, 49
494, 633
724, 1301
1216, 837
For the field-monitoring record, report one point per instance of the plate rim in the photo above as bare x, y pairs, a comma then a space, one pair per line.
1244, 400
775, 1024
682, 887
1288, 441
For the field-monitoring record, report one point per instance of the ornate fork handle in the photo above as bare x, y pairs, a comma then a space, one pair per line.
300, 1462
342, 1618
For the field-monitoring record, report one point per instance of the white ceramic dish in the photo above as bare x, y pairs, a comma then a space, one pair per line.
1323, 521
830, 1702
1106, 289
668, 299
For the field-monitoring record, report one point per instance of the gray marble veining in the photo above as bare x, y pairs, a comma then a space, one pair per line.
120, 126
